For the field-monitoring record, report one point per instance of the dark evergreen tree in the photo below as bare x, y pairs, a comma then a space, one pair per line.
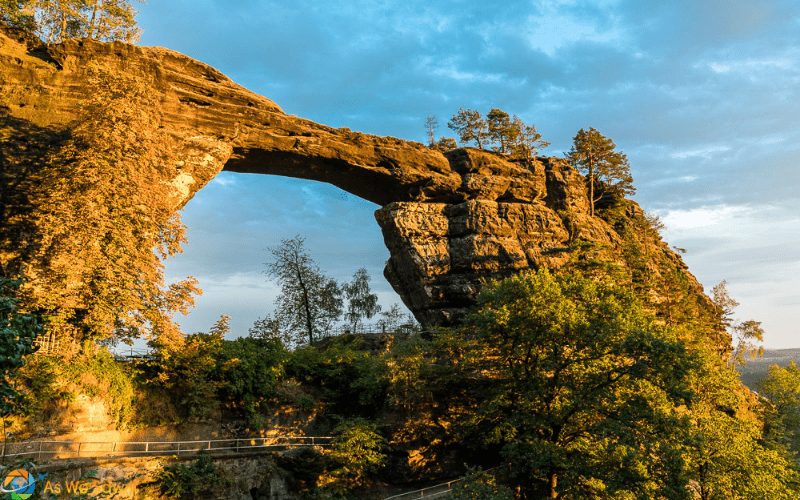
593, 154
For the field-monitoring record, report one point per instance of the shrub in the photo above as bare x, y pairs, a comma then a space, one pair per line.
480, 485
184, 365
305, 466
357, 449
113, 381
353, 381
248, 371
183, 481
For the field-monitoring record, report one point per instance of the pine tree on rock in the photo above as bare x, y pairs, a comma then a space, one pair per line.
593, 155
501, 130
431, 124
470, 126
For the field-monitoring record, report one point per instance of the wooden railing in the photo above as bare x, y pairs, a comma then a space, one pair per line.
47, 450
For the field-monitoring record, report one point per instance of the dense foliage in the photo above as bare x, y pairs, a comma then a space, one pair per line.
182, 481
351, 380
248, 371
185, 364
480, 485
781, 388
59, 20
587, 387
357, 450
97, 271
18, 330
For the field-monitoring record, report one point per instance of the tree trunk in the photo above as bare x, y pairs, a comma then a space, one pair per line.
306, 305
553, 484
91, 21
591, 187
63, 25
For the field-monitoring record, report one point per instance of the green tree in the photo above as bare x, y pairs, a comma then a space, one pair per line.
480, 485
248, 371
446, 143
470, 126
781, 388
501, 130
357, 449
185, 365
744, 334
513, 136
528, 140
106, 217
18, 13
18, 330
586, 388
593, 154
267, 329
309, 302
360, 302
724, 303
726, 455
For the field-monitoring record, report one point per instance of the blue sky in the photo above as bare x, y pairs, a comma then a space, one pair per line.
701, 95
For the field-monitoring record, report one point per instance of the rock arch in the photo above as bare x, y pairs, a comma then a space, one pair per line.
449, 220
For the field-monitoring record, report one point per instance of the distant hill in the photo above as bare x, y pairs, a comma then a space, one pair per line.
757, 369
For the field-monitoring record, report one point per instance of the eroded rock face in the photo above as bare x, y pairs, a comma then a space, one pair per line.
449, 220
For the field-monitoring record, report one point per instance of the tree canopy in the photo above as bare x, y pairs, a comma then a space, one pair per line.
360, 302
505, 135
745, 334
592, 397
309, 302
470, 126
586, 388
593, 154
59, 20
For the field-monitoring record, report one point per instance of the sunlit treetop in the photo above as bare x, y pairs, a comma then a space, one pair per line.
58, 20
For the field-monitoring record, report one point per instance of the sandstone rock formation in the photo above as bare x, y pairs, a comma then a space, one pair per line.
449, 220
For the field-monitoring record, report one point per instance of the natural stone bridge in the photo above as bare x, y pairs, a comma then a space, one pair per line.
449, 220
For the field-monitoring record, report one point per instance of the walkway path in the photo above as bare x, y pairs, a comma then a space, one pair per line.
49, 450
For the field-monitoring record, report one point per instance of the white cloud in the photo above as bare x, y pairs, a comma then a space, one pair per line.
700, 217
745, 223
703, 152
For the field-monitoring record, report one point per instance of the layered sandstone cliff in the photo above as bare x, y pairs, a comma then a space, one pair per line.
449, 220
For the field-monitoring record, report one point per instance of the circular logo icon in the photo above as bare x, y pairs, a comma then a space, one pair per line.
20, 483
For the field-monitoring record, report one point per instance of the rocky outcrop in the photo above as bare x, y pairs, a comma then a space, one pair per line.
449, 220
